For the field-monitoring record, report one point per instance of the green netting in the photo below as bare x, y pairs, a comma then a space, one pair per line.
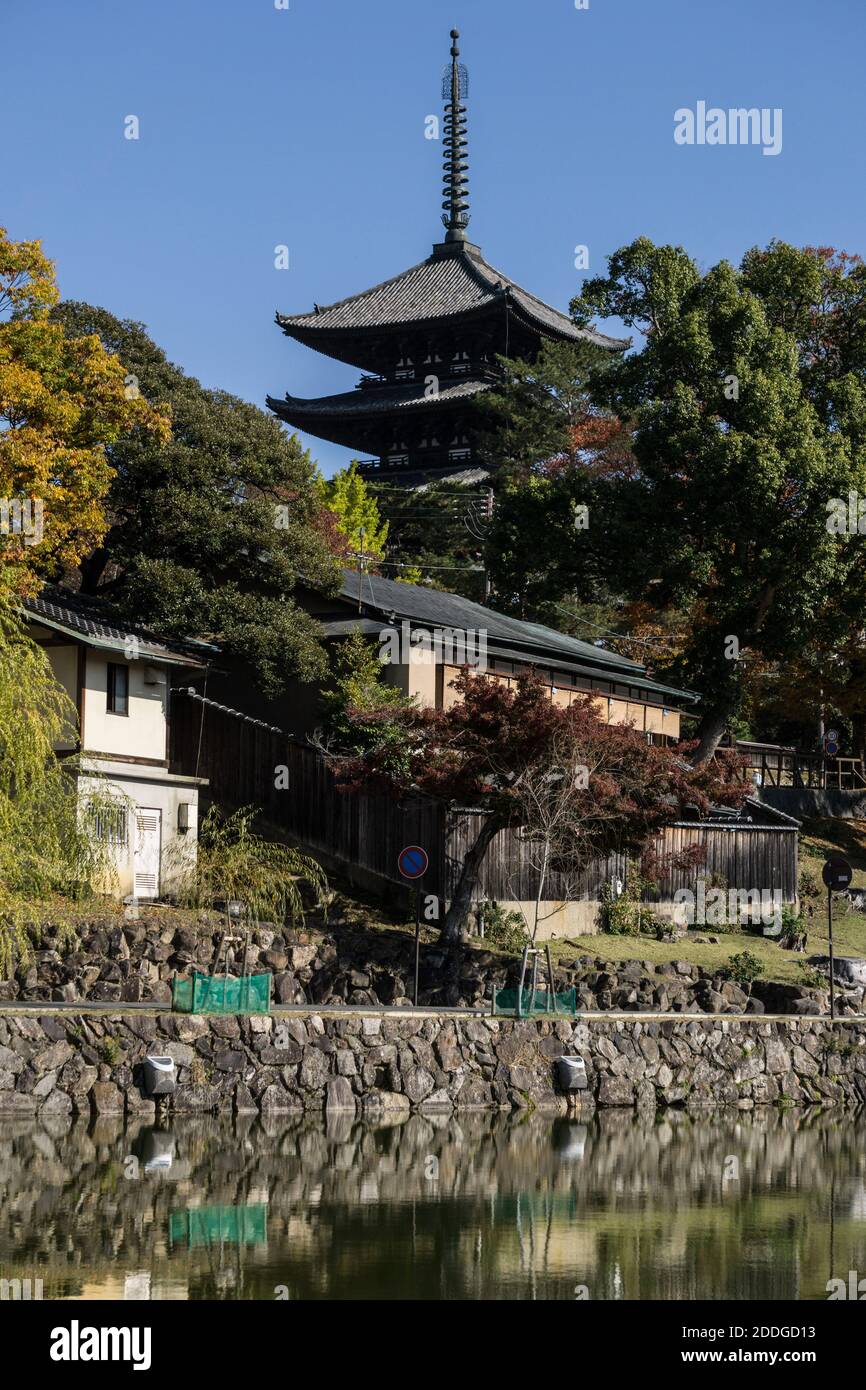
219, 1226
218, 994
536, 1001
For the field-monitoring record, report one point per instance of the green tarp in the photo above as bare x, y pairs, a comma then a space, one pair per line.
536, 1001
219, 994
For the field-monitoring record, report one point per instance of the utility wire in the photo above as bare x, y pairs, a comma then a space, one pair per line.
620, 636
420, 565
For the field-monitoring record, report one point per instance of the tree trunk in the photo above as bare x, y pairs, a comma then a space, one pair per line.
455, 917
541, 879
92, 569
713, 726
727, 689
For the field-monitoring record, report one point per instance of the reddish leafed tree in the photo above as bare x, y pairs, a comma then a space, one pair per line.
488, 750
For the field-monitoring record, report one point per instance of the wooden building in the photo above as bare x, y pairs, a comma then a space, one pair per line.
431, 633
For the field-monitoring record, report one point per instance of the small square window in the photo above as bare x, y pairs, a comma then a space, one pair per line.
111, 825
118, 689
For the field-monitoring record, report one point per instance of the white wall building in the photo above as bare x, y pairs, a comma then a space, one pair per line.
120, 683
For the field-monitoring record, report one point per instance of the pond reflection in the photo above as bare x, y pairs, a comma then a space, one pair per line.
733, 1205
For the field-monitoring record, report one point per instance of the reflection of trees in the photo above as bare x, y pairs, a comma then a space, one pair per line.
521, 1207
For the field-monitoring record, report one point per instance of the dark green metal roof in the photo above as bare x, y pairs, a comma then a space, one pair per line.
521, 640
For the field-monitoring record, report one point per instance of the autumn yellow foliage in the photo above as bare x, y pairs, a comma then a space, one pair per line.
62, 400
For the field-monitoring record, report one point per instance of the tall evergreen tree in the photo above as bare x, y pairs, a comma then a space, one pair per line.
210, 531
749, 401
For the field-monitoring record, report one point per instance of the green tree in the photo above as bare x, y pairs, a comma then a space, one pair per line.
739, 445
360, 706
559, 455
210, 531
356, 510
534, 419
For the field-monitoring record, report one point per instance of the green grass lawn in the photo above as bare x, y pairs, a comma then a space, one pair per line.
818, 840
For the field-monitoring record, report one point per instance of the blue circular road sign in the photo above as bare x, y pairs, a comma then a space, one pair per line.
413, 861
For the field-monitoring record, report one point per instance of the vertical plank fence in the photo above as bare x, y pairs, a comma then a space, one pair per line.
244, 760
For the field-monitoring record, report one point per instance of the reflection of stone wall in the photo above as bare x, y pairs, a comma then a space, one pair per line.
392, 1065
730, 1204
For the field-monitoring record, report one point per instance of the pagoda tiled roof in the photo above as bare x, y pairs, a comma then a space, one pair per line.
365, 404
441, 287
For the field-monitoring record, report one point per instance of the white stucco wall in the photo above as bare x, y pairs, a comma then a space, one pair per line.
139, 734
143, 792
64, 664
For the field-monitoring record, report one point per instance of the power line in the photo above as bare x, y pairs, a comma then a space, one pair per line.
420, 565
434, 496
620, 636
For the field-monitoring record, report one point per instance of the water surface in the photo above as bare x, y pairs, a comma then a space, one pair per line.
734, 1205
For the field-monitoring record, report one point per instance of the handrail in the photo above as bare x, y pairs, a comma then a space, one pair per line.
780, 767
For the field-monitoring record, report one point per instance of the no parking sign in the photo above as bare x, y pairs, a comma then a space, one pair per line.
413, 861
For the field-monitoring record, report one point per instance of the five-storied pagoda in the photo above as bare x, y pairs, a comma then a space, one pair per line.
427, 340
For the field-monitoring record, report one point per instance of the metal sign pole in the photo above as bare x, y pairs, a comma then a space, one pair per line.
830, 935
836, 873
417, 937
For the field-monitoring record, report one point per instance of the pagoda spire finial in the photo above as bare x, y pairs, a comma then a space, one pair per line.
455, 90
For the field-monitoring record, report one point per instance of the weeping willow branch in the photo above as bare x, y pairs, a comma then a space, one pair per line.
49, 833
236, 865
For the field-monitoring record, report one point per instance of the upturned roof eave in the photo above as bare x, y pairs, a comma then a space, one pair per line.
329, 339
362, 405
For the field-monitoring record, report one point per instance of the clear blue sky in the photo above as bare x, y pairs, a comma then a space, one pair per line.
306, 127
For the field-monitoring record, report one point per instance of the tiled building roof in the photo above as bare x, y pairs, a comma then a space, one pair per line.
507, 637
91, 620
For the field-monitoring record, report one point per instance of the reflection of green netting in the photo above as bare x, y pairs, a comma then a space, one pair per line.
536, 1001
217, 994
538, 1204
219, 1226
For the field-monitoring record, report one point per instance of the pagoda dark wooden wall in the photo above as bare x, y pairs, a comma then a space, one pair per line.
361, 831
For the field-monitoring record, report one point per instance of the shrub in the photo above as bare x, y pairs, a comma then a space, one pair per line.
506, 930
808, 887
624, 913
744, 968
812, 978
236, 865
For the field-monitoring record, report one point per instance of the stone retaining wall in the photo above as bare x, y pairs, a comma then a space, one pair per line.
92, 1064
135, 962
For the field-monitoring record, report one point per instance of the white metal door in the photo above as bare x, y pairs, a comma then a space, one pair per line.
145, 863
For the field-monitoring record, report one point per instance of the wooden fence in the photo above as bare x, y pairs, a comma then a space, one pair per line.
246, 762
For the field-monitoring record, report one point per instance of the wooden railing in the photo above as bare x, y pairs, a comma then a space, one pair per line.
772, 765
